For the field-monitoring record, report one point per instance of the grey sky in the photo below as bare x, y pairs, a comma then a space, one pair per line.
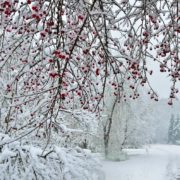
161, 82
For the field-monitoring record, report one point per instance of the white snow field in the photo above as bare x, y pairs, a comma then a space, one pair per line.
157, 162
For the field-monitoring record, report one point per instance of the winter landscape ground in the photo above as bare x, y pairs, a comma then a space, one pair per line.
155, 162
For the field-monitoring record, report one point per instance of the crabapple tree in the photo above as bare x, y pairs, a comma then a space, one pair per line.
59, 55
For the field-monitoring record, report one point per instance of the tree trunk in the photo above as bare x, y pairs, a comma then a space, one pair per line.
106, 142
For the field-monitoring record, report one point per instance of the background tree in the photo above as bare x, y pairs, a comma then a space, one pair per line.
124, 125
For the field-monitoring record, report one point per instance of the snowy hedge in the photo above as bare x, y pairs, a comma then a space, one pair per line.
26, 162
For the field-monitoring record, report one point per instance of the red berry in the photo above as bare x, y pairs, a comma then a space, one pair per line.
97, 72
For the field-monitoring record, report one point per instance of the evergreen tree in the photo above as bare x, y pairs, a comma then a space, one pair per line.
174, 130
177, 130
170, 132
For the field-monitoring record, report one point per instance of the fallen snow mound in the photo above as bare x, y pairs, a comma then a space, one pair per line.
26, 162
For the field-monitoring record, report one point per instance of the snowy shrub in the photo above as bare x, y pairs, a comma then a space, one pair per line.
78, 129
26, 162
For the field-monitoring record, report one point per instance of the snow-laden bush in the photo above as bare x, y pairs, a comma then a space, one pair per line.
22, 161
70, 128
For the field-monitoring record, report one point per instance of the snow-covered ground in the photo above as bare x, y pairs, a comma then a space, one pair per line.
157, 162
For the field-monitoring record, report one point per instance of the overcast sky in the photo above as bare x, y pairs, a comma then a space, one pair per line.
161, 82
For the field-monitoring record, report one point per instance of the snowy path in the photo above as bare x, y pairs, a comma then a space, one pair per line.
160, 162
